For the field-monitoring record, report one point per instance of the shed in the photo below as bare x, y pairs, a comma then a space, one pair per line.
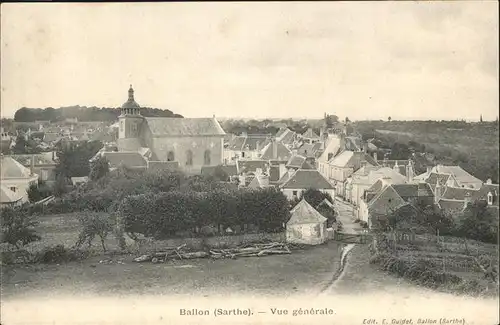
306, 225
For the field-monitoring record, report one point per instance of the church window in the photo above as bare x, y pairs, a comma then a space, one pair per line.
189, 158
207, 157
170, 156
490, 198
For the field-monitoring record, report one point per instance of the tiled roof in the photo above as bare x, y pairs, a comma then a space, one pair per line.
352, 159
282, 151
40, 159
11, 168
306, 149
184, 126
407, 191
387, 200
353, 144
310, 134
8, 196
482, 193
462, 176
285, 177
251, 165
282, 131
451, 205
241, 143
304, 213
458, 193
385, 172
306, 179
434, 178
128, 159
288, 137
296, 161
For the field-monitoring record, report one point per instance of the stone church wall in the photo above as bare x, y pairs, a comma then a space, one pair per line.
176, 148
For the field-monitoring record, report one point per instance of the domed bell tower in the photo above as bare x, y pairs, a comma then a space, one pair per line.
130, 121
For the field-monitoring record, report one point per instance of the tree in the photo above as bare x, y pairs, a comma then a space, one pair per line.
99, 168
40, 191
93, 225
18, 227
481, 118
74, 160
314, 197
347, 120
479, 223
389, 119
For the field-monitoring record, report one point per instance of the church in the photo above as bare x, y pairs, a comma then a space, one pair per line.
191, 142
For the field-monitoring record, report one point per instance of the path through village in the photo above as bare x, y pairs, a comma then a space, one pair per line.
345, 215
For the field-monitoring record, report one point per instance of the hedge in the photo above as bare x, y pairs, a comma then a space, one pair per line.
164, 214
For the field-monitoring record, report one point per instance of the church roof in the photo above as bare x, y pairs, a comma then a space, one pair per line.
175, 126
130, 103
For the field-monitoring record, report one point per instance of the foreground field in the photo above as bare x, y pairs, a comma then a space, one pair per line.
303, 271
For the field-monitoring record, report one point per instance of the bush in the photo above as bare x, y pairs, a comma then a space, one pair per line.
60, 254
18, 227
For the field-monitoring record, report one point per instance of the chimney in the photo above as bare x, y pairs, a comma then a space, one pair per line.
396, 167
32, 166
488, 181
365, 147
275, 148
375, 157
282, 170
53, 156
409, 172
437, 192
429, 169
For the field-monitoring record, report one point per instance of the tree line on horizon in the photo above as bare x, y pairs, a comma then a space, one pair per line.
83, 113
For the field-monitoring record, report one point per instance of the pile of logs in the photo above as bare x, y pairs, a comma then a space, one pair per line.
258, 250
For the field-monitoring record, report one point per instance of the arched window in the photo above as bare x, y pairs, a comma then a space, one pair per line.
189, 158
170, 156
206, 157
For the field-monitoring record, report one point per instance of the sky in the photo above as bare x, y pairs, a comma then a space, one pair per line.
363, 60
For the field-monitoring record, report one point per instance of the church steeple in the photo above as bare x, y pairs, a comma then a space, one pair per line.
131, 94
130, 107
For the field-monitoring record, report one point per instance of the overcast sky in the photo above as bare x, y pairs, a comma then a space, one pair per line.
364, 60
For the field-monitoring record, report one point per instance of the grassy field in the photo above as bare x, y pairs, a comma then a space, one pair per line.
302, 272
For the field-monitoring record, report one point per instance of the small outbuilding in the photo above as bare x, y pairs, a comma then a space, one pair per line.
306, 225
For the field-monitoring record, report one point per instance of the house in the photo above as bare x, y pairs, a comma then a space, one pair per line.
16, 177
286, 136
298, 162
310, 136
42, 164
259, 181
460, 176
333, 145
306, 225
404, 167
304, 179
383, 198
246, 147
192, 142
366, 176
454, 200
9, 198
275, 150
344, 165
